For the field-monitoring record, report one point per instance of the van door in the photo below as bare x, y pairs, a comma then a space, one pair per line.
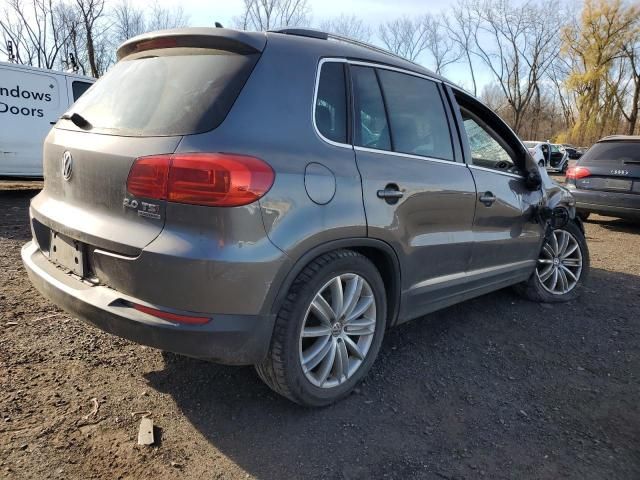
29, 101
417, 197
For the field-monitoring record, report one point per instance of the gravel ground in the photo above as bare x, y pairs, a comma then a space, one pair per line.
496, 387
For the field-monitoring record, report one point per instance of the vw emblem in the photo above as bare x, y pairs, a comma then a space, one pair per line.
67, 166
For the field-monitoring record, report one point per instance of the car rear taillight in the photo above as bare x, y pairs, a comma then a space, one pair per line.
148, 177
211, 179
577, 172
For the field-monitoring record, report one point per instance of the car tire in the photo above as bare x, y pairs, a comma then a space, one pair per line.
282, 369
539, 287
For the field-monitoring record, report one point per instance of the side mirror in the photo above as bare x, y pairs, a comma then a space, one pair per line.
533, 181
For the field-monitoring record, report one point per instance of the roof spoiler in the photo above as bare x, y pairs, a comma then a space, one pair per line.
235, 41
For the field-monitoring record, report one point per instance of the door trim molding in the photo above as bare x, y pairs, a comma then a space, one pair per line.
439, 282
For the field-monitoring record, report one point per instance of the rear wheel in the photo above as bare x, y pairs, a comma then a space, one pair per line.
562, 269
329, 330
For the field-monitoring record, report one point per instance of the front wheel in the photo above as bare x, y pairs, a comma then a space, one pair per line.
562, 268
329, 330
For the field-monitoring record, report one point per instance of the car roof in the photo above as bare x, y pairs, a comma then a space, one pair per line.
358, 50
620, 138
330, 44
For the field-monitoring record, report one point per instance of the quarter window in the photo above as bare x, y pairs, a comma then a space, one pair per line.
371, 128
417, 117
331, 103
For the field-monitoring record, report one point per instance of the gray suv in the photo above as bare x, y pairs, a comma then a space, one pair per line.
280, 199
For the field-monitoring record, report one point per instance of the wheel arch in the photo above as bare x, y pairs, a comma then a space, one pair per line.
381, 254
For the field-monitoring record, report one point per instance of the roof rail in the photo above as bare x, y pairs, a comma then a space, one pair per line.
302, 32
368, 46
311, 33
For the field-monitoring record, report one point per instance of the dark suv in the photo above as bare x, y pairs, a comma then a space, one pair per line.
281, 199
606, 180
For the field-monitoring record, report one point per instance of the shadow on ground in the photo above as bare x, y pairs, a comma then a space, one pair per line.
14, 213
497, 387
616, 224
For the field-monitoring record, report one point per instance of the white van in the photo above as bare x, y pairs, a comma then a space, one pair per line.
31, 100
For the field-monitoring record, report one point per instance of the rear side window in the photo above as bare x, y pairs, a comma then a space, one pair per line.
79, 88
417, 117
331, 103
371, 130
612, 154
175, 91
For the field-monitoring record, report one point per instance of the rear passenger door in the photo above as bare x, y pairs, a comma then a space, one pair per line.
418, 195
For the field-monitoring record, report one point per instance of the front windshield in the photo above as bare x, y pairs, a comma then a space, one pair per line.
530, 144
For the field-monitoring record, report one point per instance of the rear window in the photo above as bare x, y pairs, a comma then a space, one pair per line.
166, 92
612, 154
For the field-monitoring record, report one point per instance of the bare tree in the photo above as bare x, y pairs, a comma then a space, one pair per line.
631, 88
462, 28
161, 18
261, 15
405, 37
128, 21
73, 54
558, 73
518, 44
32, 30
439, 44
348, 26
14, 32
91, 11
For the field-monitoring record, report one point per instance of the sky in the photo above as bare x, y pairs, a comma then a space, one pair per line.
372, 12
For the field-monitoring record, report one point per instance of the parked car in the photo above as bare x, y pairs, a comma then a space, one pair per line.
549, 155
222, 213
31, 99
573, 152
606, 180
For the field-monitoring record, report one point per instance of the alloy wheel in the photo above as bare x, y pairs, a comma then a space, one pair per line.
338, 330
560, 263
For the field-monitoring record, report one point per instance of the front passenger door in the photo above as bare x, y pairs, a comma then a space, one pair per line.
506, 239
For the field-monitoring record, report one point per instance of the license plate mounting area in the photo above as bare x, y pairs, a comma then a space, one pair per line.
67, 253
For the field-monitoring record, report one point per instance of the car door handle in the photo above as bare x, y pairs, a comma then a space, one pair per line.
487, 199
391, 193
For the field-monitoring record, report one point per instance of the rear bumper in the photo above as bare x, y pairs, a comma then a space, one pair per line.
229, 339
623, 205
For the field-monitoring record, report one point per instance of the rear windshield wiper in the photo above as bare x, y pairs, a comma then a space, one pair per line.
78, 120
631, 161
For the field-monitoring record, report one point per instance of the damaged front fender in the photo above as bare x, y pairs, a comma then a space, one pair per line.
557, 206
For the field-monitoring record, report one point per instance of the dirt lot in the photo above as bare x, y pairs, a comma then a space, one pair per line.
497, 387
